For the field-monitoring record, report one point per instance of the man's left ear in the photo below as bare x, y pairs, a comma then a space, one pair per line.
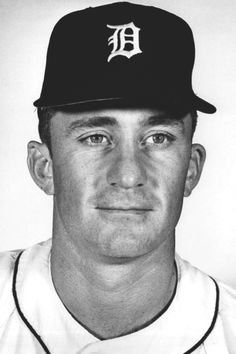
196, 163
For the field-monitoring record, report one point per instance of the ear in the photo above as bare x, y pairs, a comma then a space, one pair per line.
196, 163
40, 166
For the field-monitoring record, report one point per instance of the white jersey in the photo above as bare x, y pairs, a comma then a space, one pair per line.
200, 319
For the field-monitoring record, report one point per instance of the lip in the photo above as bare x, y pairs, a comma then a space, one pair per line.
130, 210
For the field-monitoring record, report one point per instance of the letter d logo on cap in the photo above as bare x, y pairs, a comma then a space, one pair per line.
120, 38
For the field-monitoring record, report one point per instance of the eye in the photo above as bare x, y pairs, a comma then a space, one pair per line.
96, 139
159, 139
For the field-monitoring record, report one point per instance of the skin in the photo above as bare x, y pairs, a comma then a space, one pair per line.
118, 177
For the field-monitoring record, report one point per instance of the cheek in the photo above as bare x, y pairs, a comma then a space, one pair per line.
176, 175
76, 179
169, 175
170, 164
70, 182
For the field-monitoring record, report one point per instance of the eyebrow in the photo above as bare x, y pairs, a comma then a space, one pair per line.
101, 121
163, 119
91, 122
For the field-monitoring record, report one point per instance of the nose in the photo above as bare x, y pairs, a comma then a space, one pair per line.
127, 170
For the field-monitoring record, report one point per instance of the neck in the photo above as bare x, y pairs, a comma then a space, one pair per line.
113, 299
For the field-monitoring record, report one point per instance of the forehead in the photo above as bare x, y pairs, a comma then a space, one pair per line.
118, 118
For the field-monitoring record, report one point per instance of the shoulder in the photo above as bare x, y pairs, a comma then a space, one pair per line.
224, 301
227, 295
7, 265
227, 299
8, 260
227, 312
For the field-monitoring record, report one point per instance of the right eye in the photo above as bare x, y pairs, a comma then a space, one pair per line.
96, 139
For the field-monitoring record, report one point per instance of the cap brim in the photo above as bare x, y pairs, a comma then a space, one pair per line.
203, 106
195, 102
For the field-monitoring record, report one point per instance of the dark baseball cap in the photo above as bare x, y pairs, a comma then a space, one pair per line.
121, 52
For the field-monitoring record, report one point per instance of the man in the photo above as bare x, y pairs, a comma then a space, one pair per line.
117, 113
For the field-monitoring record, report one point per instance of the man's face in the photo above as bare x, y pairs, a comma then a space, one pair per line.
119, 178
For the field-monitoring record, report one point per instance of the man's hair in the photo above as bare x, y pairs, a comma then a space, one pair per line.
45, 115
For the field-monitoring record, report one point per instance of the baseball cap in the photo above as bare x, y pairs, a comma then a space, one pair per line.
121, 52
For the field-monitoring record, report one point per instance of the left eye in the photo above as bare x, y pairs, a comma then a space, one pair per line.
96, 139
158, 139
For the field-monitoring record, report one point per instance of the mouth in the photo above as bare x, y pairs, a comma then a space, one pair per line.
129, 210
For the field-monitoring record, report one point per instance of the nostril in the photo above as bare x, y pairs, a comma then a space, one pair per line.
127, 173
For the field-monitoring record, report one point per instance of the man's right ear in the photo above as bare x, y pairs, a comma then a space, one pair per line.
40, 166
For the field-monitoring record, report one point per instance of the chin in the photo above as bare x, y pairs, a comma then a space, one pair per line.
125, 247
